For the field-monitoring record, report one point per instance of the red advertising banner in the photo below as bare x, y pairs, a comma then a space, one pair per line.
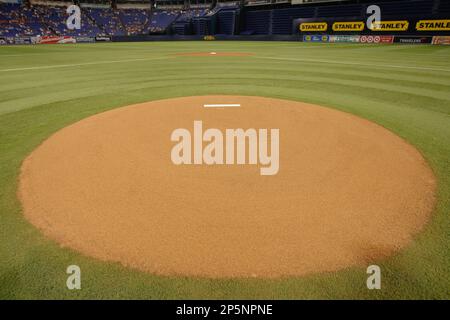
386, 39
55, 39
441, 40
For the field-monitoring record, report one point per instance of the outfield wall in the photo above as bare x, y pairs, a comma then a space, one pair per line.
295, 37
318, 38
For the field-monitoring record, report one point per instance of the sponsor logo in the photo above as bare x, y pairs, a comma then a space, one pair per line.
313, 26
389, 25
377, 39
55, 39
369, 39
102, 38
22, 40
433, 25
15, 40
336, 38
412, 40
85, 39
441, 40
348, 26
316, 38
386, 39
209, 38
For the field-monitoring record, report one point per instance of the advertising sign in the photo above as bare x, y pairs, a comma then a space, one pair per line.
316, 38
348, 26
433, 25
441, 40
55, 39
390, 25
313, 26
22, 40
386, 39
412, 40
344, 38
102, 38
85, 39
376, 39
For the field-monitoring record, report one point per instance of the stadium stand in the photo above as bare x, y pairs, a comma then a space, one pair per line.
108, 20
197, 17
161, 20
183, 24
135, 21
17, 20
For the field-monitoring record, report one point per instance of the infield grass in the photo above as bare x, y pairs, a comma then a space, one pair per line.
405, 88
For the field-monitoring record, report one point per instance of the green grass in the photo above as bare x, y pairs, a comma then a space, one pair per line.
402, 87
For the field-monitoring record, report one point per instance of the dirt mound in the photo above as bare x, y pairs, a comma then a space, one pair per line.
348, 192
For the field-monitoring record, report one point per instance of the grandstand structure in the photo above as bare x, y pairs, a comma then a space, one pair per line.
194, 17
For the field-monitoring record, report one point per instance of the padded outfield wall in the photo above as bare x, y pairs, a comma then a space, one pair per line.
438, 40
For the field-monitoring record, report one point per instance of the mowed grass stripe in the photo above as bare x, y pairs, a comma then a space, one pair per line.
436, 99
83, 84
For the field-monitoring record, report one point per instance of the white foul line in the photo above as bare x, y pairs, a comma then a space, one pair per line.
221, 105
80, 64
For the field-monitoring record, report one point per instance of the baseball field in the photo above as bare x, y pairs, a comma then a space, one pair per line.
363, 178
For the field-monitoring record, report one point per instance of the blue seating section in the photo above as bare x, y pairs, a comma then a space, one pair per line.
15, 21
188, 15
183, 24
107, 20
135, 21
23, 20
160, 20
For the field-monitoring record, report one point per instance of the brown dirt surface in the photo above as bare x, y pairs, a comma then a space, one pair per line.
348, 192
214, 54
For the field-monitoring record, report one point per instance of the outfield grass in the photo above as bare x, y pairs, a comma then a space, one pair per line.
404, 88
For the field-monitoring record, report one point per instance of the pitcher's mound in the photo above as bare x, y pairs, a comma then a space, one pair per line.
348, 192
